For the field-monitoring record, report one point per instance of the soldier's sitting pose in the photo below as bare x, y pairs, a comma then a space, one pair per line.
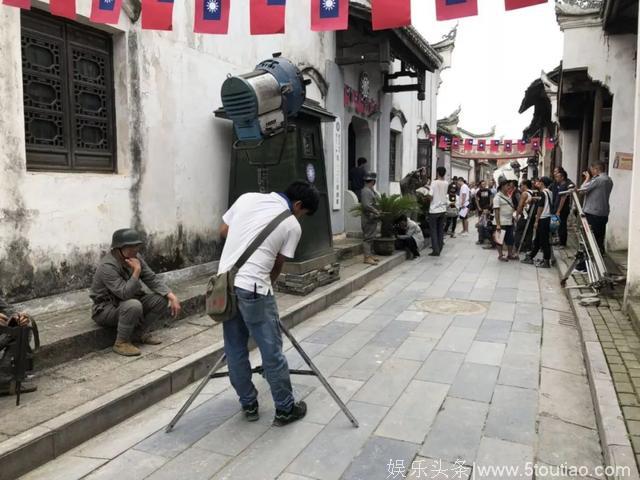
119, 299
10, 317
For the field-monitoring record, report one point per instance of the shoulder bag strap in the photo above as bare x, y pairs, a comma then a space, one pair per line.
262, 236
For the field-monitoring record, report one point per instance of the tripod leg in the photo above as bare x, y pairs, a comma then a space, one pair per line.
195, 393
318, 374
573, 265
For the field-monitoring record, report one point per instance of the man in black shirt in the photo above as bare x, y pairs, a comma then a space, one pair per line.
484, 203
561, 203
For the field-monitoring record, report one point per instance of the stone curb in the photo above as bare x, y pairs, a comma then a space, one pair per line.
44, 442
614, 439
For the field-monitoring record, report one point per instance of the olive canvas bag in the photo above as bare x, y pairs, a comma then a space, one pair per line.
220, 298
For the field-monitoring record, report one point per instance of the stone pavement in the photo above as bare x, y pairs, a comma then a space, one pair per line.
448, 363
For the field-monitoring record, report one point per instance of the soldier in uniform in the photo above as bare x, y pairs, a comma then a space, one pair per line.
8, 315
119, 300
370, 217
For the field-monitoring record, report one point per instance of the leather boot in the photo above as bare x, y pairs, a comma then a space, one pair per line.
147, 339
125, 348
370, 260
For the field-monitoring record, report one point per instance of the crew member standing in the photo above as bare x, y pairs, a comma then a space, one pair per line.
370, 217
542, 225
437, 211
257, 309
597, 188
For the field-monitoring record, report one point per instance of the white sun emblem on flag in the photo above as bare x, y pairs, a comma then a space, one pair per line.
329, 4
212, 6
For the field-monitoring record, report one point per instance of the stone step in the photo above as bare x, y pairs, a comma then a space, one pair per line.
77, 400
68, 333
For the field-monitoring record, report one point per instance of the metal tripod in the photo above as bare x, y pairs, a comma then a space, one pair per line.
314, 371
588, 253
530, 215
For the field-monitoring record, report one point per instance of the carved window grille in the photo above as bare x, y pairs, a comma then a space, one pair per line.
67, 77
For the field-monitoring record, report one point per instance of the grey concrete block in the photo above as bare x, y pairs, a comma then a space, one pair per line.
475, 382
330, 333
194, 464
500, 453
393, 334
131, 465
364, 364
412, 415
434, 326
520, 370
329, 454
456, 431
415, 348
566, 396
355, 315
441, 367
561, 349
502, 311
322, 408
486, 353
494, 331
503, 294
372, 462
512, 415
457, 339
66, 467
388, 383
350, 343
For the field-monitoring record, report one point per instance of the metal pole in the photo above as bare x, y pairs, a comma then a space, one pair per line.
195, 393
526, 228
315, 370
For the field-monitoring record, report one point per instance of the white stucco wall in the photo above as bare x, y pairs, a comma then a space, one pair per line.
570, 145
65, 218
611, 61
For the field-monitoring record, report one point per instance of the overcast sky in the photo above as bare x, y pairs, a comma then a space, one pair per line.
497, 56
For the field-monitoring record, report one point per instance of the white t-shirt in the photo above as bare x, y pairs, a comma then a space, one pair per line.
439, 196
246, 218
464, 190
505, 205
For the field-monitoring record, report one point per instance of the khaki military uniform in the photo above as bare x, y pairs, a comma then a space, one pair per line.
119, 300
370, 218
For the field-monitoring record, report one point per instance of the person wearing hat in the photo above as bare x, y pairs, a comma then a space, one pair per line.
542, 225
119, 300
370, 217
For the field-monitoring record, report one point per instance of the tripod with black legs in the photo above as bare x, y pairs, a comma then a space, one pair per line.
314, 371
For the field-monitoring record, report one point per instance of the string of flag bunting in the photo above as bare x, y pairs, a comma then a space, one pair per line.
492, 146
268, 16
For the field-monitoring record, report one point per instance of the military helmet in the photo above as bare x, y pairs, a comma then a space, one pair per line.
126, 237
370, 176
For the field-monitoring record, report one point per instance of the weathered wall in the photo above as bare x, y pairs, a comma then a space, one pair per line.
610, 60
633, 272
173, 156
570, 144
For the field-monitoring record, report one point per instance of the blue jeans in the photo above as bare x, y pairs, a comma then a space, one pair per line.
257, 317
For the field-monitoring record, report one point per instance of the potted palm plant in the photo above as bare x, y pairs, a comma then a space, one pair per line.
390, 208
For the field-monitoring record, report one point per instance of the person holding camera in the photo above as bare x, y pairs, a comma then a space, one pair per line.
596, 189
119, 300
561, 203
542, 225
9, 317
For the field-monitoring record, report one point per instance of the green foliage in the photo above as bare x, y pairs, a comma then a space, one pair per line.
390, 207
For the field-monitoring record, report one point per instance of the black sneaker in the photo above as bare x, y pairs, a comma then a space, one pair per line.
251, 412
298, 411
527, 259
543, 264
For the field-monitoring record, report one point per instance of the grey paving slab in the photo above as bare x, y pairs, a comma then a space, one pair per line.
501, 311
395, 306
321, 407
411, 316
393, 334
411, 417
512, 415
377, 321
259, 461
434, 326
481, 294
468, 321
192, 427
566, 396
293, 476
364, 364
457, 339
330, 333
131, 465
372, 462
351, 343
494, 331
523, 342
561, 349
355, 315
475, 382
441, 367
486, 353
312, 349
339, 441
388, 383
456, 431
195, 464
520, 370
494, 452
505, 294
415, 348
69, 467
562, 442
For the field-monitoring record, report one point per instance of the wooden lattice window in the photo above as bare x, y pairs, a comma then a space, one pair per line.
67, 77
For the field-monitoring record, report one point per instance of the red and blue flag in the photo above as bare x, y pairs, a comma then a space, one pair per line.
450, 9
549, 143
26, 4
157, 14
63, 8
468, 144
267, 16
481, 145
390, 14
508, 146
212, 16
514, 4
495, 146
105, 11
522, 146
535, 143
327, 15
